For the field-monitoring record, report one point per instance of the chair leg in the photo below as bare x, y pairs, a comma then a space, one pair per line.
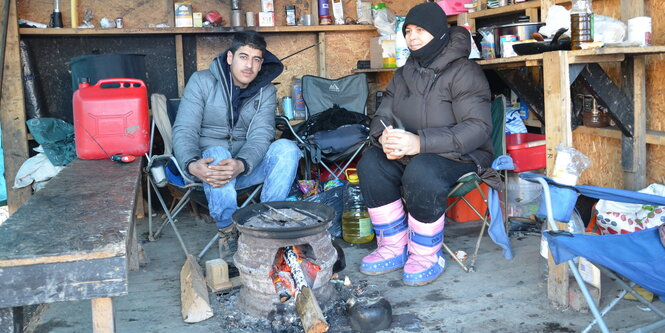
629, 288
588, 297
151, 237
169, 219
454, 257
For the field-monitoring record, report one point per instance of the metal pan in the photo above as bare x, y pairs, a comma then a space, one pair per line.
324, 213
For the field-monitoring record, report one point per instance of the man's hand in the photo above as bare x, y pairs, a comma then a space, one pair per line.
217, 175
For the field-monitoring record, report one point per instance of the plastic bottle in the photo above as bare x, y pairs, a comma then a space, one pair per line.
356, 225
581, 23
402, 51
299, 110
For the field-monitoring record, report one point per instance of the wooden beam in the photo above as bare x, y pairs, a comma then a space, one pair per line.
11, 320
12, 115
102, 315
631, 8
532, 94
634, 150
558, 113
545, 8
180, 64
323, 69
617, 102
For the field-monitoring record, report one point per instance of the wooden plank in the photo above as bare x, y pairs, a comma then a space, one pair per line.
195, 303
12, 115
558, 131
323, 69
652, 137
102, 315
587, 59
631, 8
180, 64
545, 8
217, 274
519, 81
502, 11
128, 31
89, 205
634, 164
532, 13
59, 282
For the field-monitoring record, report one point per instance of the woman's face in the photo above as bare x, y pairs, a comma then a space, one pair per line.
416, 37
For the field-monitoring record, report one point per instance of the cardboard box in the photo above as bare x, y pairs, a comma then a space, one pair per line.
183, 14
266, 19
375, 53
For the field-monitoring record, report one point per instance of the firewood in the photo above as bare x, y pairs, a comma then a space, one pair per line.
193, 292
217, 274
307, 307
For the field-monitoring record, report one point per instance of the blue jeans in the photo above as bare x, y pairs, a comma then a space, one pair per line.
276, 171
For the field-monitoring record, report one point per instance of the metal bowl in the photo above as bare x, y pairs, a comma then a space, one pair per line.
324, 214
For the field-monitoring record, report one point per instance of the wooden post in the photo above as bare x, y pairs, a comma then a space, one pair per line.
102, 315
634, 163
193, 292
634, 150
11, 320
323, 69
180, 64
558, 114
545, 8
12, 114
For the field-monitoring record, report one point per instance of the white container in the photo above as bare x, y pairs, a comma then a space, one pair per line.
639, 30
266, 19
267, 6
402, 51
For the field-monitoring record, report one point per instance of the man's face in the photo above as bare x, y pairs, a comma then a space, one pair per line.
245, 65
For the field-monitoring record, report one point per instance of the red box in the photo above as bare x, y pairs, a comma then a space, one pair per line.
527, 151
111, 117
461, 212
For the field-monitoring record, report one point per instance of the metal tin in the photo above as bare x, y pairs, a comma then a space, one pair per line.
118, 23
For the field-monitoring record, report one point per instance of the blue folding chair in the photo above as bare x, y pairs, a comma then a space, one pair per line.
638, 257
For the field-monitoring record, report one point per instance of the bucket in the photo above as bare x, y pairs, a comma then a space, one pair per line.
110, 118
639, 30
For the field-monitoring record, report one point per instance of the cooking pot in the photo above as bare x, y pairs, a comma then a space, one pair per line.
521, 30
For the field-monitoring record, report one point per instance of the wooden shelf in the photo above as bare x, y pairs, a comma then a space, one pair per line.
372, 70
318, 28
505, 10
177, 31
653, 137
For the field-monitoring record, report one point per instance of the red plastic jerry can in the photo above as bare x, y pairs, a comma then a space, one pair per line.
110, 118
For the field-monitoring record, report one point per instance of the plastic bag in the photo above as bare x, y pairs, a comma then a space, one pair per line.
608, 29
475, 54
333, 198
364, 9
384, 21
514, 122
36, 169
56, 137
620, 217
557, 17
569, 165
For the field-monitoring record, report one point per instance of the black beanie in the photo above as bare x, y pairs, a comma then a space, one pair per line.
429, 16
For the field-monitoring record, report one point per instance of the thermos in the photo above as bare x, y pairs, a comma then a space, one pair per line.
324, 12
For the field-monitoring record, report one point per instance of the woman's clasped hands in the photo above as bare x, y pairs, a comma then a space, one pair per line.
398, 143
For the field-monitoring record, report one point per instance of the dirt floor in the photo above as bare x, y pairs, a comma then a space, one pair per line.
501, 296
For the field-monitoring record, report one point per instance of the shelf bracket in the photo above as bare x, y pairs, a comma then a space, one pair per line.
519, 82
609, 95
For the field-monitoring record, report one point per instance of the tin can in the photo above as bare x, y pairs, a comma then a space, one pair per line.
118, 23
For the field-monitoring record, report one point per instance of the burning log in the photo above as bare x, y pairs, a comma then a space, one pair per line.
284, 284
307, 306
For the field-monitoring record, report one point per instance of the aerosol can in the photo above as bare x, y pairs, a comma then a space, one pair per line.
56, 17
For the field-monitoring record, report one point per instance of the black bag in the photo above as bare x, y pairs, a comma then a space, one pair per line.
320, 129
333, 198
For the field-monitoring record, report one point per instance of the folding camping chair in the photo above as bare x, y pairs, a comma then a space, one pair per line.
321, 94
470, 182
164, 112
638, 257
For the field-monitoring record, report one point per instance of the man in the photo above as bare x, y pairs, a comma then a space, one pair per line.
225, 125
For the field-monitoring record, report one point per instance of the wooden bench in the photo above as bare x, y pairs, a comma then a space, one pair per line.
72, 240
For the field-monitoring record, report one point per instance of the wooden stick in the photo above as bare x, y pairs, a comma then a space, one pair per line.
307, 307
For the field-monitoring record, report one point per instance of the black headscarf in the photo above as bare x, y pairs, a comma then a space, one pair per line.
431, 17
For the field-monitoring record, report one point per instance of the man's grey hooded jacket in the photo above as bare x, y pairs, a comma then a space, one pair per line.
205, 116
447, 104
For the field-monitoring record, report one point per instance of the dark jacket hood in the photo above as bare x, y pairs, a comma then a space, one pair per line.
270, 69
458, 47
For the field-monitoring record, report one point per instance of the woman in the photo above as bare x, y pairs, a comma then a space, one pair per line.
441, 100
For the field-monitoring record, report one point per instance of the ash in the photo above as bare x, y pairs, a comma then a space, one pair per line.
282, 218
285, 320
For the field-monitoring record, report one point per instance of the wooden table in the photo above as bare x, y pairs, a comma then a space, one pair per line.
552, 105
70, 241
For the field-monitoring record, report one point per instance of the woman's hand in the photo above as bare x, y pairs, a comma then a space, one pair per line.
399, 143
391, 154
